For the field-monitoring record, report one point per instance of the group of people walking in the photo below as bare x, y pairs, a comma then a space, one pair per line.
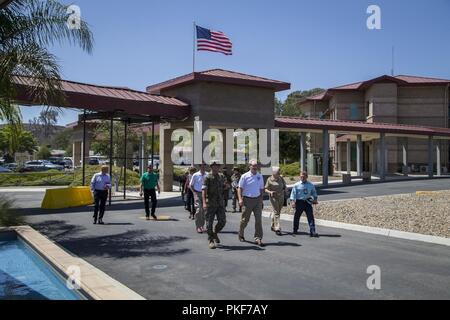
206, 197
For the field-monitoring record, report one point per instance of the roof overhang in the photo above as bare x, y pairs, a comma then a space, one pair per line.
106, 99
204, 77
356, 127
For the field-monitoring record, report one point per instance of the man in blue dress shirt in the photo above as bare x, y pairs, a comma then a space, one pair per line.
303, 196
100, 184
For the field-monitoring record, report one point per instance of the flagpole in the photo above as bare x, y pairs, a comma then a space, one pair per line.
193, 49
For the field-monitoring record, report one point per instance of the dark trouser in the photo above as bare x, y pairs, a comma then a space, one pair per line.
190, 203
150, 193
235, 200
300, 206
211, 213
100, 197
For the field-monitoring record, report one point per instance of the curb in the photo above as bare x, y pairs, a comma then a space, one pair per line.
372, 230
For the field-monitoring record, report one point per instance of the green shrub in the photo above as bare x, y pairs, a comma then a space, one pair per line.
8, 216
290, 170
132, 177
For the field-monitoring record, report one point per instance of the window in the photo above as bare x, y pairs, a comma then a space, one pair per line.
354, 112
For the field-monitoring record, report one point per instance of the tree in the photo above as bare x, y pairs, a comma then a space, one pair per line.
27, 27
100, 144
290, 108
289, 141
13, 141
44, 153
45, 124
62, 140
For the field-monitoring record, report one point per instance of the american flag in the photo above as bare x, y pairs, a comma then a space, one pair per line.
216, 41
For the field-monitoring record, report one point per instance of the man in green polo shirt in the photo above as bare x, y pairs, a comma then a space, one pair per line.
149, 184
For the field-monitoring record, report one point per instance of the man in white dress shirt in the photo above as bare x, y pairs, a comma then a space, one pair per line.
250, 193
100, 184
196, 185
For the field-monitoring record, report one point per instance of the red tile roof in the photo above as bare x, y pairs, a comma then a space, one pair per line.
358, 126
222, 76
107, 98
402, 80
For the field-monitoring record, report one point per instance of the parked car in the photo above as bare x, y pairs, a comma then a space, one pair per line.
4, 170
11, 166
68, 163
93, 162
41, 165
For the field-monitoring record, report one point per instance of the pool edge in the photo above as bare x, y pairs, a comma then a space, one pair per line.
94, 282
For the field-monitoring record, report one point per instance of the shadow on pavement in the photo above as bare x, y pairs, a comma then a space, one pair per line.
122, 205
133, 243
240, 248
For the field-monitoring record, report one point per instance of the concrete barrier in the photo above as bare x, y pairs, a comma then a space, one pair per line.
67, 198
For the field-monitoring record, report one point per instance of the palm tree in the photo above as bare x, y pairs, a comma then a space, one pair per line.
27, 28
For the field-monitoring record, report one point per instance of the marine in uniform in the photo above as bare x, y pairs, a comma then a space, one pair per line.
213, 203
276, 188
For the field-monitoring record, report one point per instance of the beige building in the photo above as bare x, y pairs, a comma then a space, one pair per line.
400, 100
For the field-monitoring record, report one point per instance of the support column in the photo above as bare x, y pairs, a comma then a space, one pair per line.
405, 156
153, 145
338, 156
166, 167
326, 151
349, 158
111, 156
430, 156
83, 152
303, 151
125, 160
438, 158
359, 158
382, 158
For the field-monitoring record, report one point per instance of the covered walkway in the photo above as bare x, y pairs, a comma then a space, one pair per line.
368, 131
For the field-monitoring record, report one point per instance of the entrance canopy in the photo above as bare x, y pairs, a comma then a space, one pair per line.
108, 99
355, 127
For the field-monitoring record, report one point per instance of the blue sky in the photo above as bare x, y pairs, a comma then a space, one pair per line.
320, 43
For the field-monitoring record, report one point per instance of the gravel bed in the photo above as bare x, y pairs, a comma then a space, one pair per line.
426, 214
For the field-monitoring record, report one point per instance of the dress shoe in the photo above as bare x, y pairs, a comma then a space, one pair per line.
95, 221
314, 235
101, 222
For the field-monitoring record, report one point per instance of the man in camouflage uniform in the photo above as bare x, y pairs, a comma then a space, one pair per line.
213, 203
235, 185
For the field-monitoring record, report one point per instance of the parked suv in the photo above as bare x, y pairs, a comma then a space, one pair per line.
42, 165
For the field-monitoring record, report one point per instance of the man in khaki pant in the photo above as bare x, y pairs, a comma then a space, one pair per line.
196, 185
250, 193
